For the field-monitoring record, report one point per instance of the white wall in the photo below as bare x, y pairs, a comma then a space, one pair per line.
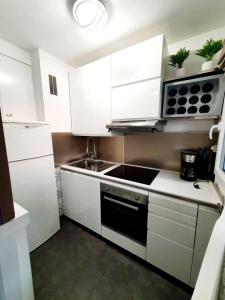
15, 52
194, 62
53, 109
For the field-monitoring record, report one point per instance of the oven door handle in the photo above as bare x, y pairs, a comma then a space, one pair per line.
120, 203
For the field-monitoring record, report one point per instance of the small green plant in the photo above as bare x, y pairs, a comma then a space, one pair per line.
177, 60
210, 48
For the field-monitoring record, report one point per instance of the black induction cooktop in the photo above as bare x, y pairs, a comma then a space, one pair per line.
136, 174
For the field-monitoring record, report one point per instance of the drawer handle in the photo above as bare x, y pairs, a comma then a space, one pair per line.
9, 115
120, 203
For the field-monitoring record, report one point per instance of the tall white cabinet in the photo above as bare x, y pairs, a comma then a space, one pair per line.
137, 74
90, 93
16, 90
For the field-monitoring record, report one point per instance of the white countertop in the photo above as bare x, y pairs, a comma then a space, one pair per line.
21, 220
170, 183
166, 182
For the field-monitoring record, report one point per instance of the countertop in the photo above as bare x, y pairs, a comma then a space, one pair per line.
166, 182
170, 183
22, 219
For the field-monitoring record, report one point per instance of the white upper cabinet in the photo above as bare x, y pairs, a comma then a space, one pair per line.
53, 106
16, 90
90, 92
139, 62
137, 101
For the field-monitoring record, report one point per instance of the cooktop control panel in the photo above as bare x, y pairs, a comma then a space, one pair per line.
197, 97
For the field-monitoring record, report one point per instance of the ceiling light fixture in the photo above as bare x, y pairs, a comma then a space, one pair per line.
90, 14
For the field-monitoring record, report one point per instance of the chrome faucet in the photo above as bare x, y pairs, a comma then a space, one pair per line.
91, 155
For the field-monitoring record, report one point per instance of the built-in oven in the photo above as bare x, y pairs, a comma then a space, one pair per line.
125, 212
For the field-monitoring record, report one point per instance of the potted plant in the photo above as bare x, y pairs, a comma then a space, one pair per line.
208, 50
177, 60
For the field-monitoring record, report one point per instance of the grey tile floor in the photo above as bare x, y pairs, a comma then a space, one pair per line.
76, 265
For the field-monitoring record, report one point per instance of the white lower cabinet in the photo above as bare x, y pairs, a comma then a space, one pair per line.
171, 235
207, 218
81, 199
169, 256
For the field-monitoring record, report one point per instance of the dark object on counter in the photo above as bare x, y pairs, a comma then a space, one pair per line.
198, 164
188, 169
203, 163
132, 173
206, 163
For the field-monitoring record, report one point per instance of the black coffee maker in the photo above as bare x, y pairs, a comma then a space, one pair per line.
188, 169
198, 164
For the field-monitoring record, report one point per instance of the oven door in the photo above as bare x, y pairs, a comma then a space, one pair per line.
124, 216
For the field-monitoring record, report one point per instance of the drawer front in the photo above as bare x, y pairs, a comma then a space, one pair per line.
173, 216
169, 256
138, 101
178, 205
181, 234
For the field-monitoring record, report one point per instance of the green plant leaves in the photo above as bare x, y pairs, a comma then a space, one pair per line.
210, 48
177, 60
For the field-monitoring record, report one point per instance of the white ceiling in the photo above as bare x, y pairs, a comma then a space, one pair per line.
49, 24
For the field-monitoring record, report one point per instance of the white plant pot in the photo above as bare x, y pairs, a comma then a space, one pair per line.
208, 65
180, 72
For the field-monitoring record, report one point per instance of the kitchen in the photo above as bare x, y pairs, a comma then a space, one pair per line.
112, 150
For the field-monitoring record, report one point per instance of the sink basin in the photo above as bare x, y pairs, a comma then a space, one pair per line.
91, 164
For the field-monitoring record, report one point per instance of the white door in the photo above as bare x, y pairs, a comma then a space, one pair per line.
137, 101
139, 62
81, 199
71, 203
27, 140
220, 156
88, 191
90, 92
34, 188
16, 90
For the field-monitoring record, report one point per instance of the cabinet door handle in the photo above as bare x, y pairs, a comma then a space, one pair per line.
9, 115
214, 127
120, 203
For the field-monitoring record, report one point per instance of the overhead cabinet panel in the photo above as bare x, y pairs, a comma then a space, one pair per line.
90, 92
137, 101
16, 90
139, 62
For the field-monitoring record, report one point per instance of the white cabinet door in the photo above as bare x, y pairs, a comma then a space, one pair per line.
207, 218
139, 62
71, 203
88, 192
90, 92
81, 199
16, 90
137, 101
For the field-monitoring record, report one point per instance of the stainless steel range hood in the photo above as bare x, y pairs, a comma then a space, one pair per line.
146, 125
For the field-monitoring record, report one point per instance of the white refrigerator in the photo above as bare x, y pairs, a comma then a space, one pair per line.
220, 154
32, 173
209, 279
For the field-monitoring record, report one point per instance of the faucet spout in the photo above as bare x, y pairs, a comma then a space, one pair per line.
91, 154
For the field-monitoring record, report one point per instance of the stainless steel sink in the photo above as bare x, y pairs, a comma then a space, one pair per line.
91, 164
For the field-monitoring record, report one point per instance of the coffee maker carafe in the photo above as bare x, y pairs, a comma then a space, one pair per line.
188, 169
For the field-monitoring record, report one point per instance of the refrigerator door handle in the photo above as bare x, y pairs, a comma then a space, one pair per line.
216, 127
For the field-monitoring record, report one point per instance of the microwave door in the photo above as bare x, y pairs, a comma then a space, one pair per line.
220, 154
